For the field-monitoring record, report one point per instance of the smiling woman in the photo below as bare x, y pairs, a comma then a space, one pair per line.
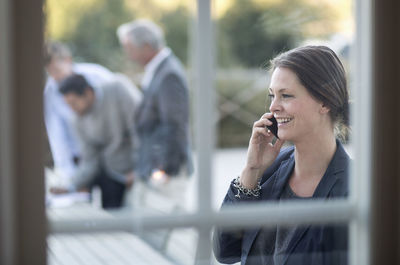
320, 71
297, 113
313, 83
308, 97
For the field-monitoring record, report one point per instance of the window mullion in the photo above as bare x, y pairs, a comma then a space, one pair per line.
263, 214
204, 122
361, 120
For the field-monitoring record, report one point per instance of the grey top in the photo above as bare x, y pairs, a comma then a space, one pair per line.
106, 132
271, 244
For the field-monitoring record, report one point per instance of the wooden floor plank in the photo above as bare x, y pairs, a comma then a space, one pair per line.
63, 251
102, 248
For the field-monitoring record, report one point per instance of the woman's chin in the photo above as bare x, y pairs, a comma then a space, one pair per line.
281, 134
285, 137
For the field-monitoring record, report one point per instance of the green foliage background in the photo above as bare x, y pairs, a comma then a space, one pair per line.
248, 35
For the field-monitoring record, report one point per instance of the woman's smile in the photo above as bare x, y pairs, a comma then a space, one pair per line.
282, 121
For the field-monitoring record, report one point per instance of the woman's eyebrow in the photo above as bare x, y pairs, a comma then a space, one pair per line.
279, 90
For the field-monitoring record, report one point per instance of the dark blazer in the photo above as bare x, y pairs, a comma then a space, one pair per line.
322, 244
162, 121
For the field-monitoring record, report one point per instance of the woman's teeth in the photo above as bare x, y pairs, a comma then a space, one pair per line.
283, 120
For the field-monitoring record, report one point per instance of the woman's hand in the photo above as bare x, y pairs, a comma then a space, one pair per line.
261, 152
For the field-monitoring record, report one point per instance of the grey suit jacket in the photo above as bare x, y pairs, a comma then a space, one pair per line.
163, 121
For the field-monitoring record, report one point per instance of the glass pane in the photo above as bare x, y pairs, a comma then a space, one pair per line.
249, 35
126, 141
122, 146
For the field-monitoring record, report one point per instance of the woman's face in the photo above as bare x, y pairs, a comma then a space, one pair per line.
298, 114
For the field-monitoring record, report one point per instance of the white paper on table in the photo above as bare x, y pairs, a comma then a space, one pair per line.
67, 199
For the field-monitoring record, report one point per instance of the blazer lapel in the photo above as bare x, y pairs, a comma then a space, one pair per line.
156, 73
322, 191
282, 177
272, 191
147, 92
250, 237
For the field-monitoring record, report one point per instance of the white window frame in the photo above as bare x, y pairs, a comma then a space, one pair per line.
355, 210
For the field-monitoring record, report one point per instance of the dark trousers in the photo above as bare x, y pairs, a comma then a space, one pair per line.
112, 191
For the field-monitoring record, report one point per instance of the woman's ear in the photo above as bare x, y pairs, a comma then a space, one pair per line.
324, 109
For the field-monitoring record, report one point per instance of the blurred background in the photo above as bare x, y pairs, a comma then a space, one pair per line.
248, 33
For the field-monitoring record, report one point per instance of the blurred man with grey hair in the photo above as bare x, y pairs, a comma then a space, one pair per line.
163, 117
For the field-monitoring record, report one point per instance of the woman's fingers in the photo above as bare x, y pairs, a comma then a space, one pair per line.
262, 122
261, 130
278, 144
267, 115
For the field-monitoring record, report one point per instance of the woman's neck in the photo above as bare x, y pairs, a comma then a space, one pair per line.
313, 156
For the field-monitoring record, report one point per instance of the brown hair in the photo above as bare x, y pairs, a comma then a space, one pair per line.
320, 71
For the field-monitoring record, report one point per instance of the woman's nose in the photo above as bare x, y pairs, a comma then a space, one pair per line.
275, 106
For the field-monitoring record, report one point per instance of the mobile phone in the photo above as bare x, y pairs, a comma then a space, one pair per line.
274, 127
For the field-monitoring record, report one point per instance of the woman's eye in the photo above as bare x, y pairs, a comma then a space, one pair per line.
286, 96
271, 96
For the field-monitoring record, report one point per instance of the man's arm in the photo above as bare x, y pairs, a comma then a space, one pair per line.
88, 166
62, 142
171, 135
123, 102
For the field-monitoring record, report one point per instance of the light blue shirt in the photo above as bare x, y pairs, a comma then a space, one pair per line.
58, 117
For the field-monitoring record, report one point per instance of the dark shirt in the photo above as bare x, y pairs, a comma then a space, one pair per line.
285, 234
270, 245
